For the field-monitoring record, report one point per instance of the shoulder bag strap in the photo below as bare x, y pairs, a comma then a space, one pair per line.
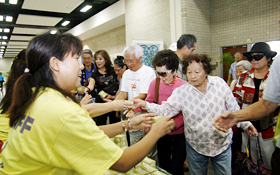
156, 90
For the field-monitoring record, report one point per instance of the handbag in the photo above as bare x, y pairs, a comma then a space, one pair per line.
246, 166
156, 90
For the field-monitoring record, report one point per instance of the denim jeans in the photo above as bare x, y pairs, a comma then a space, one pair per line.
198, 163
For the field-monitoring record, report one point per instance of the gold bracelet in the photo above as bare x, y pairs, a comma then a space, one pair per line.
123, 126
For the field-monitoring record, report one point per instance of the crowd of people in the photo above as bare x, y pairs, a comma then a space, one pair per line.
46, 129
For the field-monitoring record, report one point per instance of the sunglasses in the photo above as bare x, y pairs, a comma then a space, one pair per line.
255, 57
163, 74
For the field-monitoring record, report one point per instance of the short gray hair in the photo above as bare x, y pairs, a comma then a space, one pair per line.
87, 51
134, 49
246, 64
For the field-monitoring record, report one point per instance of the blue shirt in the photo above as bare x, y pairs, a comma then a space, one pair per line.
88, 73
232, 70
1, 78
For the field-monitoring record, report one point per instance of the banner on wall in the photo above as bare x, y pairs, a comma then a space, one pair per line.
150, 48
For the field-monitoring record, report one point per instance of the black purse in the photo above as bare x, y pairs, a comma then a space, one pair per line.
246, 166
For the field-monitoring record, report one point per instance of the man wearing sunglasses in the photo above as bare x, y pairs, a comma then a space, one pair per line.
185, 46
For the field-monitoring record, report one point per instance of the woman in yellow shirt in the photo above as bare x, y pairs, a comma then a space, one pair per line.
51, 134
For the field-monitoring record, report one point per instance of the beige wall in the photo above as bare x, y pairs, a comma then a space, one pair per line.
147, 20
5, 64
232, 22
196, 21
216, 23
112, 41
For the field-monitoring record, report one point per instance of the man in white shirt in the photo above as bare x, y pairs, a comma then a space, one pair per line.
135, 83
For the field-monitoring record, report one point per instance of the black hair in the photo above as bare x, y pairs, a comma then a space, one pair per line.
186, 39
17, 69
203, 58
39, 52
166, 58
120, 61
105, 55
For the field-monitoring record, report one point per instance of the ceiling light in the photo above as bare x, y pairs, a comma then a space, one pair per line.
65, 23
0, 29
2, 47
2, 50
13, 1
1, 18
6, 30
86, 8
53, 31
9, 18
4, 42
5, 37
1, 38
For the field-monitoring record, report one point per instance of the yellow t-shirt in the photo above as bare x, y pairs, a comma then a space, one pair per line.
277, 132
4, 128
57, 137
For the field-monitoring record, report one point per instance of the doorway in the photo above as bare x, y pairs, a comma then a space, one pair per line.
232, 50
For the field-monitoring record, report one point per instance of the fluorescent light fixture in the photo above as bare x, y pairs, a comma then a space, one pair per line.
4, 42
1, 18
53, 31
5, 37
86, 8
1, 38
2, 1
2, 50
9, 18
12, 1
65, 23
2, 47
6, 30
0, 29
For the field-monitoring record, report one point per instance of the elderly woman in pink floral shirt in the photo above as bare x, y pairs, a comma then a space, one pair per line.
200, 100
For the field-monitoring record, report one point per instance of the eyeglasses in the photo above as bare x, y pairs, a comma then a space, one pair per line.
255, 57
129, 61
163, 74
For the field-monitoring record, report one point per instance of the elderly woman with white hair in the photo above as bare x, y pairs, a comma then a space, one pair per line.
241, 67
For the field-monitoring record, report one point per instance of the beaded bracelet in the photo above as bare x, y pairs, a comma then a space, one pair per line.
129, 124
123, 126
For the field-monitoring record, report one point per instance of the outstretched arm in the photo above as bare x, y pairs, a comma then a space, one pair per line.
97, 109
138, 122
254, 112
137, 152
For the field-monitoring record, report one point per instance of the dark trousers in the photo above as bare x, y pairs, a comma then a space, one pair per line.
275, 162
236, 144
172, 153
101, 120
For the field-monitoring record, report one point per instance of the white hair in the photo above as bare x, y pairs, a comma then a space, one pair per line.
134, 49
246, 64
